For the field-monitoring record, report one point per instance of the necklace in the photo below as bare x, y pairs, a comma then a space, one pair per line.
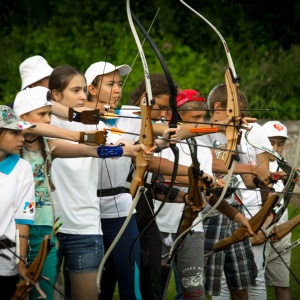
31, 142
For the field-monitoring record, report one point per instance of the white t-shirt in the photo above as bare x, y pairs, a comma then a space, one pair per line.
113, 172
169, 217
17, 205
76, 180
252, 198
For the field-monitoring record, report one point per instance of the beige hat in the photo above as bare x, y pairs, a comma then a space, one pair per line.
34, 69
101, 68
275, 128
31, 99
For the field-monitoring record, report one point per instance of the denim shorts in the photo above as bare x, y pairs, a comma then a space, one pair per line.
81, 253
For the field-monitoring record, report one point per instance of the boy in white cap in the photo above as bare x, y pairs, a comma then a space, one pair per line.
277, 274
35, 71
17, 200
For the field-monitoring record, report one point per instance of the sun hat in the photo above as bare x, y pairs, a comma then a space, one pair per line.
34, 69
188, 95
102, 68
31, 99
275, 128
10, 120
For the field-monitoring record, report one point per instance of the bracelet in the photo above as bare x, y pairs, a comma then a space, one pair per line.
24, 237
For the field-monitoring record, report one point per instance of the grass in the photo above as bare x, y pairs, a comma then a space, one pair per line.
295, 267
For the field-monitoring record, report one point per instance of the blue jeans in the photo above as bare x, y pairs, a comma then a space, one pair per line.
82, 253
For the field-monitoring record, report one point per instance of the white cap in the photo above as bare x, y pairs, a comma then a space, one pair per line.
31, 99
34, 69
101, 68
275, 128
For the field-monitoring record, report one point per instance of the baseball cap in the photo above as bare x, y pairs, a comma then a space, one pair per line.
34, 69
101, 68
275, 128
188, 95
10, 120
31, 99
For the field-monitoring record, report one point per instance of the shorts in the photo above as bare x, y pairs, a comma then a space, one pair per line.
276, 273
81, 253
237, 261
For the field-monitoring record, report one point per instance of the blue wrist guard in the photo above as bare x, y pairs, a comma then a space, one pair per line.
109, 151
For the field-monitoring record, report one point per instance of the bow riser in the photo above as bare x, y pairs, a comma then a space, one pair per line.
35, 269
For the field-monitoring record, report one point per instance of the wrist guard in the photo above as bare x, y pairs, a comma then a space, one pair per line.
162, 189
98, 137
85, 117
109, 151
224, 208
218, 192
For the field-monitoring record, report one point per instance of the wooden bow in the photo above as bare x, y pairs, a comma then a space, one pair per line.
233, 111
146, 137
34, 270
277, 233
195, 203
172, 124
256, 222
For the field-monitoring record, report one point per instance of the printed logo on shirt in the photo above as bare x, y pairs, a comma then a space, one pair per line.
29, 208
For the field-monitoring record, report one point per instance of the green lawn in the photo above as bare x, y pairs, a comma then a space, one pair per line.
295, 267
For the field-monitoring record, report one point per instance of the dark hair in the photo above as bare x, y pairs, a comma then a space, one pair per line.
219, 94
2, 132
159, 86
61, 77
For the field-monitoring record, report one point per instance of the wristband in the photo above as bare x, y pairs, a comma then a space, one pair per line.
161, 188
218, 192
98, 137
73, 115
109, 151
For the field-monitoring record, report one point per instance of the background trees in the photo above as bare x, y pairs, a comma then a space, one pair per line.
263, 38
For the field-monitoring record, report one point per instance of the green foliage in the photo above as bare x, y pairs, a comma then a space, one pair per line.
80, 33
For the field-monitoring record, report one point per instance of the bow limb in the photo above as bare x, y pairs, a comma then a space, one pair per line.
278, 232
146, 137
173, 122
233, 110
286, 249
35, 269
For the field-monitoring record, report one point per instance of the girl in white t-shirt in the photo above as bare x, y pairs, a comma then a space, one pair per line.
17, 201
75, 198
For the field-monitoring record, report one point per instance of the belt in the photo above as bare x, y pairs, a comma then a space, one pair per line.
112, 192
6, 243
